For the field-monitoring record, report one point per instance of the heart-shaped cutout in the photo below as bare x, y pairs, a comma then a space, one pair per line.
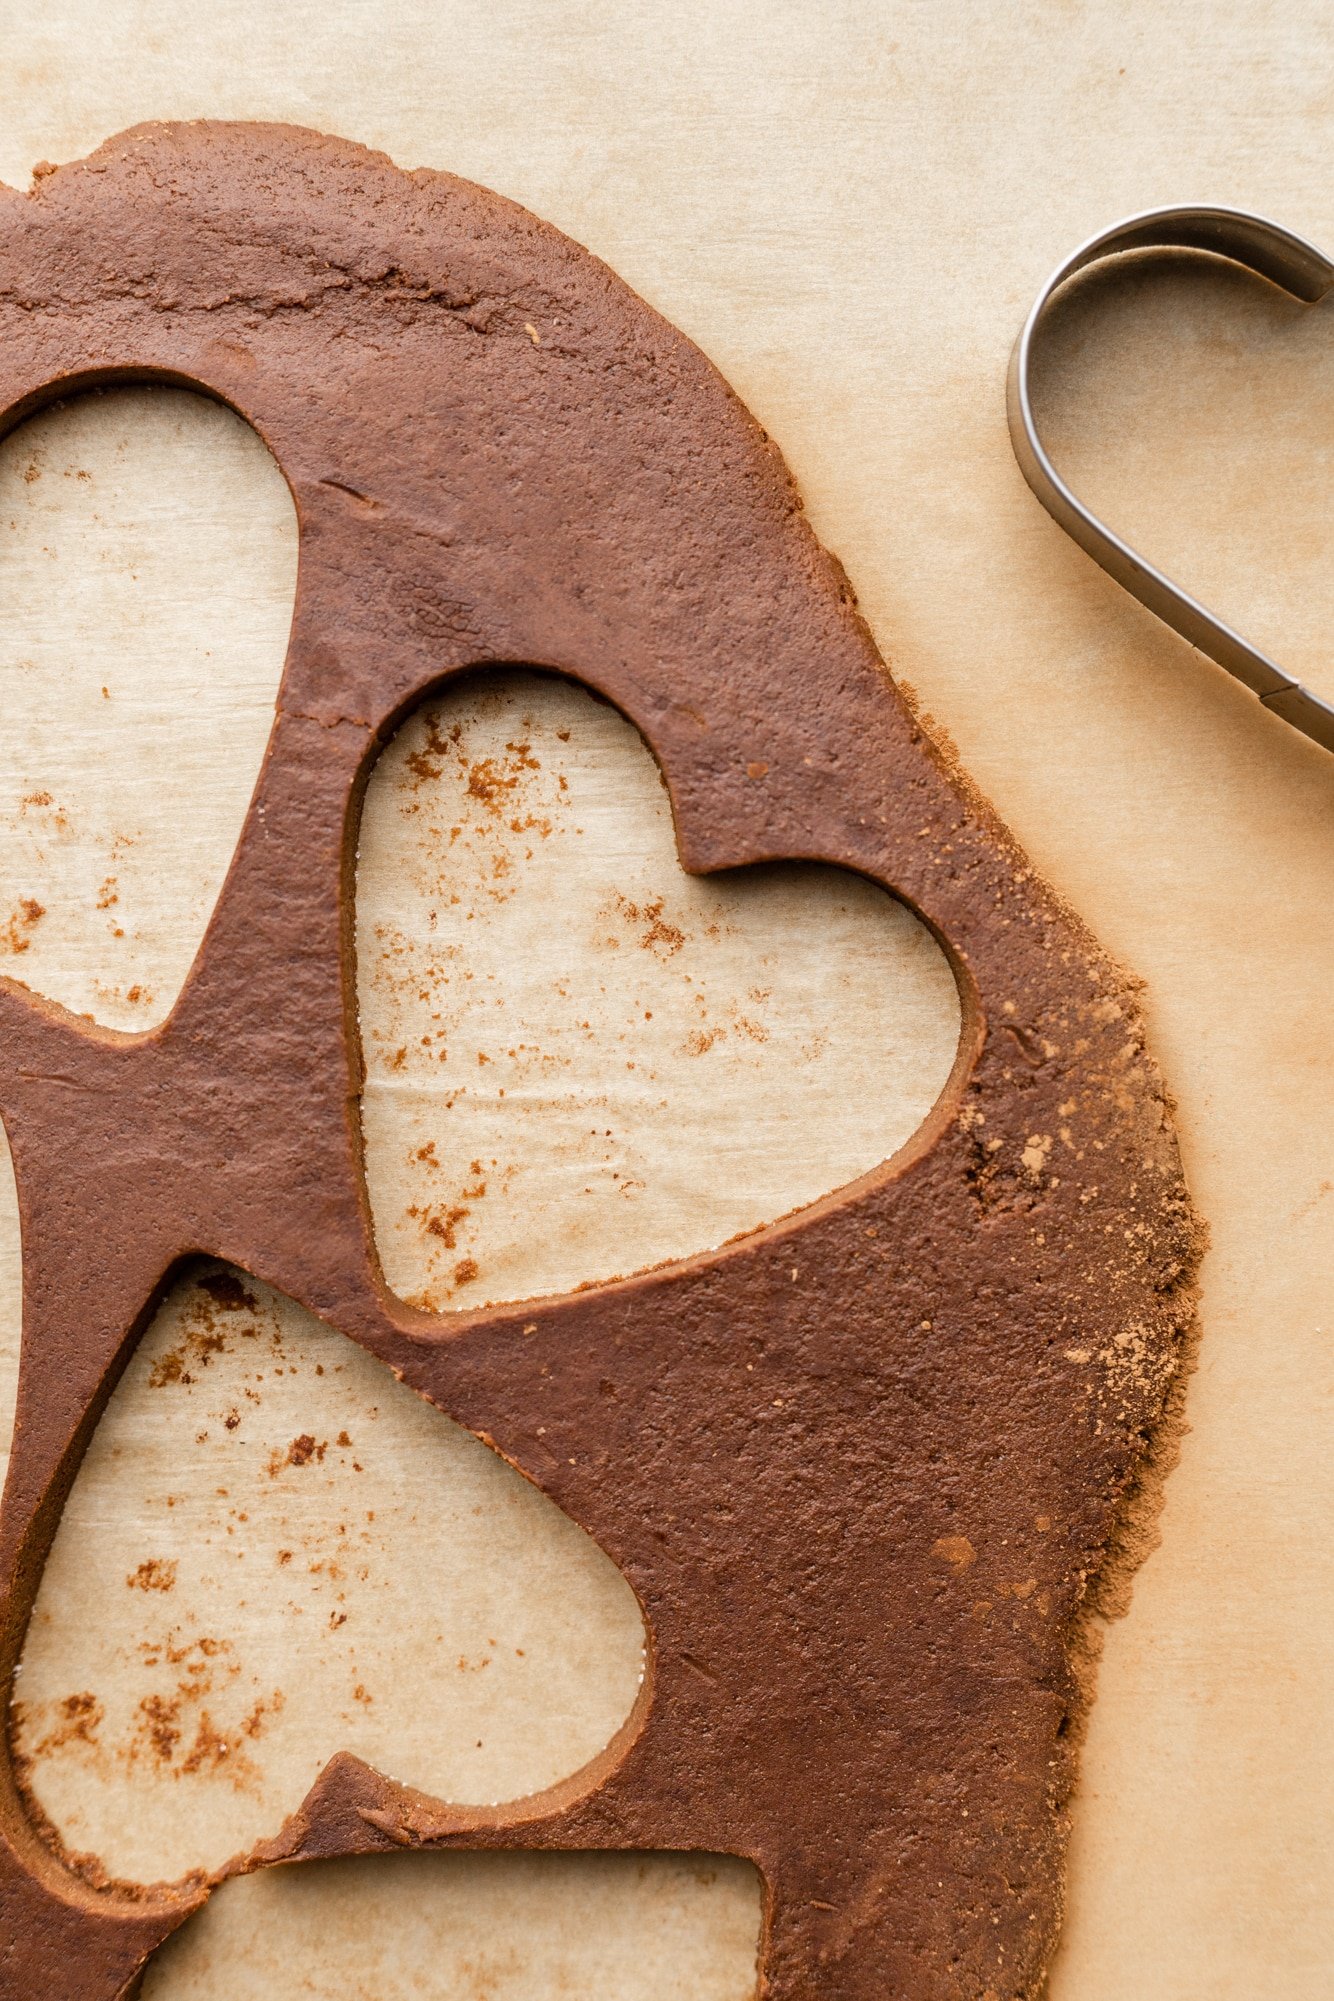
147, 576
489, 1928
272, 1552
582, 1062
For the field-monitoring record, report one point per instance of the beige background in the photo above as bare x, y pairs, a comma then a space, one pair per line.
850, 208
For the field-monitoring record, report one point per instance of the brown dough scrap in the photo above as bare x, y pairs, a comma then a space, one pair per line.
860, 1466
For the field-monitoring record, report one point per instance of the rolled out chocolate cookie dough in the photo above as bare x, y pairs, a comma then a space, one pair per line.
862, 1467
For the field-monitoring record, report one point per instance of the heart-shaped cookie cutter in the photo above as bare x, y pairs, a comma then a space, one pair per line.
1287, 261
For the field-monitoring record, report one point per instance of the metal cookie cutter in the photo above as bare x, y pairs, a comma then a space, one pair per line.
1287, 261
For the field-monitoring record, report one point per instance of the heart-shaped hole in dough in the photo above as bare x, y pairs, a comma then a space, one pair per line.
273, 1551
147, 576
474, 1928
582, 1062
1190, 405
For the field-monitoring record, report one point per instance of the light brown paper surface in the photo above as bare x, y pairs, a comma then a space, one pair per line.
851, 208
619, 1063
134, 727
274, 1551
507, 1928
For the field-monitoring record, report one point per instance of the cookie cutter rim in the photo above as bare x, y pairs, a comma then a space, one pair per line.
1271, 252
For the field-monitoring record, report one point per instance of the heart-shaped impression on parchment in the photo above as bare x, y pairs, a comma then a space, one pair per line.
147, 572
582, 1062
274, 1551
